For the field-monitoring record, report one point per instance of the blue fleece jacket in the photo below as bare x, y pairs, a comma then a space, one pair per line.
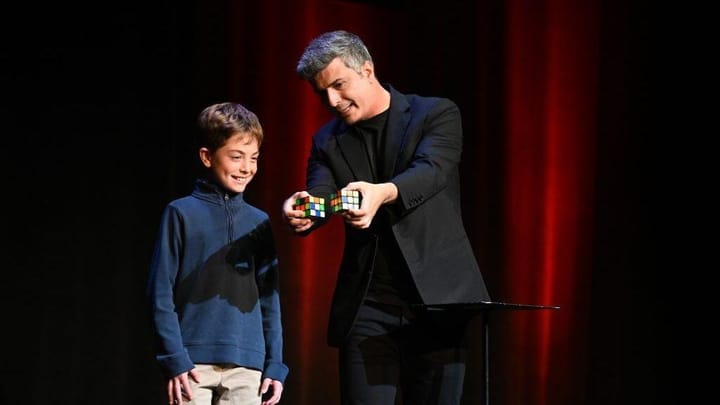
213, 285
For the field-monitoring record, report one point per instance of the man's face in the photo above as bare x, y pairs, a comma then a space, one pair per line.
347, 93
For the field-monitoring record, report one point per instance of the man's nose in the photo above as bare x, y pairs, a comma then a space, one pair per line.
333, 98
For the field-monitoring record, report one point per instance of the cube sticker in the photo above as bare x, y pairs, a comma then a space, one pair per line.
313, 207
344, 200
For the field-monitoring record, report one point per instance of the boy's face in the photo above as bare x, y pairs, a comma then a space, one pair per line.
234, 164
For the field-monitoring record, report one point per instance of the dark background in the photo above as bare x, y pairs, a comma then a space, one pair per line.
98, 109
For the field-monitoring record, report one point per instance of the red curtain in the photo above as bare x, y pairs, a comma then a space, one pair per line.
551, 118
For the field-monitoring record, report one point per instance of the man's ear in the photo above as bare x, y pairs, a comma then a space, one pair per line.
367, 69
205, 156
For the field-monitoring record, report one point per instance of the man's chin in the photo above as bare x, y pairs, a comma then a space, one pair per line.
349, 119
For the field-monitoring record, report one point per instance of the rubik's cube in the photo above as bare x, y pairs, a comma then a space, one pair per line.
344, 200
312, 206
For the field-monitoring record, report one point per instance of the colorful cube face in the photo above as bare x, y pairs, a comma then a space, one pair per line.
312, 206
344, 200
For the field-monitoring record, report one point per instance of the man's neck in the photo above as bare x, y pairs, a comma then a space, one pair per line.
383, 101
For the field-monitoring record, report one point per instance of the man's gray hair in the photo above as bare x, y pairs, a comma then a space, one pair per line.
328, 46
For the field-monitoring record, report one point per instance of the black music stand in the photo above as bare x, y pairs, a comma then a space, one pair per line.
483, 308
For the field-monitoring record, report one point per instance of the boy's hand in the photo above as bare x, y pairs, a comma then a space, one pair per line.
179, 387
271, 391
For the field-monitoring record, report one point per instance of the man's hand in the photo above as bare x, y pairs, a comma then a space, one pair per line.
373, 197
295, 219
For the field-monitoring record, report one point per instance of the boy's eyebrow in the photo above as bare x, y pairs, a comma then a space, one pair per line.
243, 152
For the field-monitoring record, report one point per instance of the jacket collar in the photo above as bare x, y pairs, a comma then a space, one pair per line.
210, 191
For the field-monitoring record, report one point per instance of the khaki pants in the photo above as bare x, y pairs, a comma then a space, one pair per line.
221, 385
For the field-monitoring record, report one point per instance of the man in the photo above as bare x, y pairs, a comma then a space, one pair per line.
406, 245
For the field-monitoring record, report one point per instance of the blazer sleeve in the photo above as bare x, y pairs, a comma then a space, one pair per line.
433, 154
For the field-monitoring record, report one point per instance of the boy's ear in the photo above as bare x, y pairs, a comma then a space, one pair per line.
205, 156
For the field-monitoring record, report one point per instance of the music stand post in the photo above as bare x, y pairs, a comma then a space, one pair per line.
484, 308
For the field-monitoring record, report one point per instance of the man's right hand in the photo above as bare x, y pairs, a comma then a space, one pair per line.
296, 219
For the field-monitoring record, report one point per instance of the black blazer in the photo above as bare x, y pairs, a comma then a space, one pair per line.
422, 151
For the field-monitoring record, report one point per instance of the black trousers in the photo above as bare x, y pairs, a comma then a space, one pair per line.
397, 356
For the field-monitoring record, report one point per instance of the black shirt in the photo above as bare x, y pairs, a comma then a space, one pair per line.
391, 282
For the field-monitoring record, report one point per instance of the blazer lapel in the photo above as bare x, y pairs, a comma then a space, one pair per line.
395, 135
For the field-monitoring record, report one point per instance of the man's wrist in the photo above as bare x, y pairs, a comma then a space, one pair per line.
390, 191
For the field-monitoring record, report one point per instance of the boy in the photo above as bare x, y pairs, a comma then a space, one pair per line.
213, 284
